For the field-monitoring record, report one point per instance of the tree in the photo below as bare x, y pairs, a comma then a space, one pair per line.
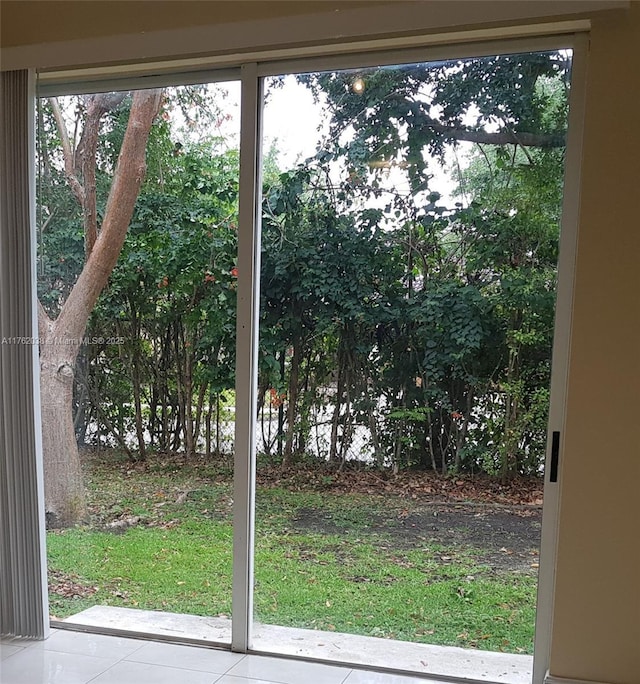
323, 271
61, 337
381, 308
470, 333
510, 231
172, 298
399, 112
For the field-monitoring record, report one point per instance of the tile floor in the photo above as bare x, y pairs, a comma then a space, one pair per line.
78, 658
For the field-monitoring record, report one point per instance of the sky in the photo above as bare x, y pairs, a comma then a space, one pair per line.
294, 124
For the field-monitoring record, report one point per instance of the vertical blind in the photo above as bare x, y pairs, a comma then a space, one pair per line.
23, 589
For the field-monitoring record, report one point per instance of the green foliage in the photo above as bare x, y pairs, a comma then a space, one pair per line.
59, 220
405, 113
382, 310
171, 298
461, 367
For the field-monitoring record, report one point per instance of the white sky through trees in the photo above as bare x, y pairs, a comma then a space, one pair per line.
294, 124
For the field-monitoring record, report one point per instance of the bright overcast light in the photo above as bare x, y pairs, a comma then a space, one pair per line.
294, 125
293, 122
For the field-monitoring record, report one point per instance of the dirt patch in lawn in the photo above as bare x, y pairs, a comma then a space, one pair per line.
499, 522
503, 538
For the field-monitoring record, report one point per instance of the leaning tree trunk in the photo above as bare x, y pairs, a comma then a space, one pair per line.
63, 486
60, 339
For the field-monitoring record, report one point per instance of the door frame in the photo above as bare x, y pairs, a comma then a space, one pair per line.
245, 521
251, 75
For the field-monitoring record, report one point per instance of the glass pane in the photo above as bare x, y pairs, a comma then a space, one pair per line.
409, 244
137, 282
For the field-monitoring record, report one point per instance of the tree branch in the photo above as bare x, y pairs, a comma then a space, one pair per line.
45, 225
67, 152
98, 106
504, 137
87, 154
128, 177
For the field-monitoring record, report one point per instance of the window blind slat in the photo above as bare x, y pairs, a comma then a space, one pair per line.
23, 589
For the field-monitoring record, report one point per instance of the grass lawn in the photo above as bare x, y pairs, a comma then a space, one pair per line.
380, 564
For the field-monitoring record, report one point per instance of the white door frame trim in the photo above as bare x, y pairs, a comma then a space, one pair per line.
247, 332
560, 355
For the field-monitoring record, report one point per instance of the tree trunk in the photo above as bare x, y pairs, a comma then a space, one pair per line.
183, 388
335, 419
189, 437
207, 424
281, 407
292, 412
375, 441
137, 398
218, 424
461, 436
82, 416
202, 392
63, 486
60, 339
163, 383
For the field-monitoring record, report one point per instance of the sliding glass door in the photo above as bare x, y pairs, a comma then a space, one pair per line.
410, 231
305, 380
137, 284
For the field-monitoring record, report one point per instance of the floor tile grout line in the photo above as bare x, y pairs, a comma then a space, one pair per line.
243, 657
136, 662
11, 655
186, 669
218, 676
99, 674
121, 658
347, 676
289, 660
129, 658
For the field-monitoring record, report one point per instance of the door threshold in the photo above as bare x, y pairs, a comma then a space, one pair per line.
364, 652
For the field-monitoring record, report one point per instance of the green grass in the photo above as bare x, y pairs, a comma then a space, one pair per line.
355, 587
323, 560
185, 569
